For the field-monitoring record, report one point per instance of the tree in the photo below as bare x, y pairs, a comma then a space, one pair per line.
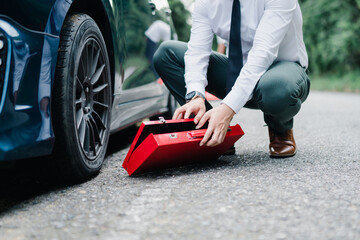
180, 17
331, 34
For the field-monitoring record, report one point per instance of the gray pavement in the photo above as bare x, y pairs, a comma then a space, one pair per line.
314, 195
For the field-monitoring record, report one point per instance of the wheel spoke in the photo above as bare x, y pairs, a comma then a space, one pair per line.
83, 69
79, 82
86, 56
101, 104
96, 130
90, 58
92, 143
78, 101
87, 137
99, 88
95, 78
98, 120
82, 130
79, 117
95, 60
79, 90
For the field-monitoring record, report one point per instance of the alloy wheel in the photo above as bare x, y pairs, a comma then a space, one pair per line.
91, 99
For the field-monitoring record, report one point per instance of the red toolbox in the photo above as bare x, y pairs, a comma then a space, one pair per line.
171, 143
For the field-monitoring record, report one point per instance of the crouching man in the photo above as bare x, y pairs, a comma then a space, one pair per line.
266, 67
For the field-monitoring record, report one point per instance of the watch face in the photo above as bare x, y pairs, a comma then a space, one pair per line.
190, 95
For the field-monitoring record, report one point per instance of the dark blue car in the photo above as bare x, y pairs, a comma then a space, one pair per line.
74, 71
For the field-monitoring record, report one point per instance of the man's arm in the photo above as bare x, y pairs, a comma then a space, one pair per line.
271, 31
269, 35
199, 49
197, 61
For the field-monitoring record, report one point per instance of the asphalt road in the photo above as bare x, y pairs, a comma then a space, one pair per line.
314, 195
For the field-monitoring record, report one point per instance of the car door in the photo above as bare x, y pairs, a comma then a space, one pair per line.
138, 93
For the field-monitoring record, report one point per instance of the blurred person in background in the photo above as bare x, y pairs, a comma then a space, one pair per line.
157, 32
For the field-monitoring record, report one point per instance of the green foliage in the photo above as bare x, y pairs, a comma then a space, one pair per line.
331, 34
180, 17
138, 18
346, 82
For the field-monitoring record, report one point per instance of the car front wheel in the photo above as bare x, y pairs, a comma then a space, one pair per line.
81, 103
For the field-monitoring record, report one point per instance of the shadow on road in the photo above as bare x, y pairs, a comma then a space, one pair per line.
29, 178
240, 160
121, 140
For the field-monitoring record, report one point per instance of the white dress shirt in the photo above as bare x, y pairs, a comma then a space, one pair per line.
271, 30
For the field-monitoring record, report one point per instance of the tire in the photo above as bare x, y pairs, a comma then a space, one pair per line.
82, 99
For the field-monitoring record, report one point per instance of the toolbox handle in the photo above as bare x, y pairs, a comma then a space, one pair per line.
196, 134
199, 133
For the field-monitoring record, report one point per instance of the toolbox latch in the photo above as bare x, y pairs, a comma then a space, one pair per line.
162, 120
173, 135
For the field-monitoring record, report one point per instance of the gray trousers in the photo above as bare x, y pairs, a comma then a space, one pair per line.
278, 94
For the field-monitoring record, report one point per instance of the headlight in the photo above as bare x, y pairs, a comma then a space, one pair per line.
3, 55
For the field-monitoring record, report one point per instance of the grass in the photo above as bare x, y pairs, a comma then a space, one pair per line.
348, 82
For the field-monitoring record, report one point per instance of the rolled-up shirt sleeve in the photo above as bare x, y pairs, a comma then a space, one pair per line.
270, 32
199, 49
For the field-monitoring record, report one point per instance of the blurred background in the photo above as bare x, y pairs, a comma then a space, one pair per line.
332, 37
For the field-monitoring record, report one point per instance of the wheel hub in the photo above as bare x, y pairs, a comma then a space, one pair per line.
86, 99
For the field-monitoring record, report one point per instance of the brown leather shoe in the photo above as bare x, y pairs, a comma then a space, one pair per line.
282, 145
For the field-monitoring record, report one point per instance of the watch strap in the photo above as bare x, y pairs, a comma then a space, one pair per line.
192, 95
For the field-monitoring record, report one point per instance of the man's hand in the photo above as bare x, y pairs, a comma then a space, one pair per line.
195, 106
219, 119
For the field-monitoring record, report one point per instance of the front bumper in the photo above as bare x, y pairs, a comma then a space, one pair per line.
27, 66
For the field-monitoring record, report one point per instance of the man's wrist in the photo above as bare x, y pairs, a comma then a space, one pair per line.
193, 95
228, 109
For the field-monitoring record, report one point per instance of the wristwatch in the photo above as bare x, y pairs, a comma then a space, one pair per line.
192, 95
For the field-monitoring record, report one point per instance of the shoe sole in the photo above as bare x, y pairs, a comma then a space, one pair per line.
283, 156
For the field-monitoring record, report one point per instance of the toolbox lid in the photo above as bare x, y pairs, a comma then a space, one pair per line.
159, 127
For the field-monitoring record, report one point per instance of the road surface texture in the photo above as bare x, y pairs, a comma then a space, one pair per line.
314, 195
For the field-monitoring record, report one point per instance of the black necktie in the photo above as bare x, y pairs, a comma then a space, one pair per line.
235, 49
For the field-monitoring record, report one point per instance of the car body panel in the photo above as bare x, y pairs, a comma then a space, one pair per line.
28, 73
22, 122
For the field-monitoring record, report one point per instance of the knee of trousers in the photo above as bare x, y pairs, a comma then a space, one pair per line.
279, 97
162, 54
